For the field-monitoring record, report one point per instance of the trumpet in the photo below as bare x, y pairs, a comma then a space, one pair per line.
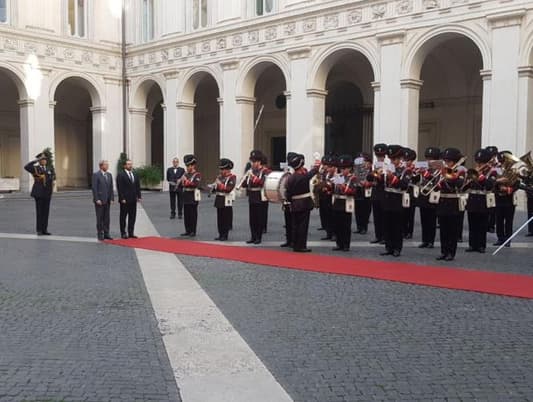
243, 180
439, 178
472, 175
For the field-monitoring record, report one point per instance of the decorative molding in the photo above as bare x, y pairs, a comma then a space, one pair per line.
245, 100
138, 111
171, 74
486, 75
230, 64
376, 86
411, 83
506, 19
26, 102
316, 93
287, 95
220, 101
52, 104
525, 72
185, 105
391, 37
98, 109
299, 53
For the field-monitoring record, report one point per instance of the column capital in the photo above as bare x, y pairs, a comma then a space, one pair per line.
163, 106
98, 109
245, 100
138, 111
171, 74
391, 37
411, 83
297, 53
486, 75
26, 102
52, 104
525, 72
287, 94
376, 86
185, 105
220, 101
228, 65
316, 93
506, 19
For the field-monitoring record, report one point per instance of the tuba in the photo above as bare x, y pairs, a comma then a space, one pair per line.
510, 169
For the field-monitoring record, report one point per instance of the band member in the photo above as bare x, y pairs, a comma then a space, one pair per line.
378, 192
409, 159
479, 184
103, 197
449, 208
363, 203
43, 185
191, 195
286, 208
175, 189
254, 182
505, 204
129, 194
396, 184
344, 203
325, 193
461, 169
265, 204
301, 201
495, 164
428, 210
223, 188
527, 186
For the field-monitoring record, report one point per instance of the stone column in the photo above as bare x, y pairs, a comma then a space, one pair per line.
316, 117
525, 109
486, 76
391, 125
99, 135
244, 122
503, 129
377, 115
186, 128
29, 146
112, 140
410, 109
171, 117
137, 142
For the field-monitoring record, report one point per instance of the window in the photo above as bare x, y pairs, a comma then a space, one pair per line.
148, 20
263, 7
77, 17
199, 14
3, 11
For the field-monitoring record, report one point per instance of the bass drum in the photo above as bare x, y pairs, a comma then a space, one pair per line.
275, 186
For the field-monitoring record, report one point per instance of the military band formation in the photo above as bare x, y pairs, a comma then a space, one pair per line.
389, 185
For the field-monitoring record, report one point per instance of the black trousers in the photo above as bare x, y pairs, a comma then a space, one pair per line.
363, 208
190, 217
264, 218
224, 220
377, 208
530, 214
460, 224
478, 224
393, 230
342, 228
326, 216
102, 218
288, 224
129, 211
492, 219
504, 221
300, 228
176, 196
448, 234
256, 217
428, 219
42, 210
409, 220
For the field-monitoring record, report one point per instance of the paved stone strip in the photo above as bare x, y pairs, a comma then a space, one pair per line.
74, 239
211, 361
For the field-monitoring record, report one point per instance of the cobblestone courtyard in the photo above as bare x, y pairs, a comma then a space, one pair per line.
78, 321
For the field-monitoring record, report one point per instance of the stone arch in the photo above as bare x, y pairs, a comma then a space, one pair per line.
192, 79
141, 88
420, 46
17, 77
86, 81
252, 70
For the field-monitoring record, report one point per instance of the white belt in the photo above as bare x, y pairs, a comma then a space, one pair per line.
447, 195
302, 196
478, 192
255, 188
394, 190
222, 194
189, 189
342, 197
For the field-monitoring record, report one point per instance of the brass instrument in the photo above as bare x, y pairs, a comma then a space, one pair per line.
473, 174
243, 180
437, 179
510, 169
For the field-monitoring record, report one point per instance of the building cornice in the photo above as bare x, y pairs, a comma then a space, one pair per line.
506, 19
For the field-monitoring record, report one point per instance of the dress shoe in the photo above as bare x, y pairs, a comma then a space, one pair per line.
498, 243
180, 216
363, 232
107, 237
124, 236
100, 237
257, 241
386, 253
326, 238
39, 233
346, 249
449, 258
193, 234
470, 250
172, 216
529, 235
302, 250
186, 234
423, 245
285, 245
338, 249
481, 250
251, 241
508, 244
47, 234
319, 229
441, 257
491, 230
217, 238
430, 245
132, 236
375, 241
396, 253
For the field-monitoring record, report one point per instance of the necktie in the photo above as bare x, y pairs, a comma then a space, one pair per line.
131, 176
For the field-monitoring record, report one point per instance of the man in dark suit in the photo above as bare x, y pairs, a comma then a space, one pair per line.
174, 177
129, 193
103, 197
41, 191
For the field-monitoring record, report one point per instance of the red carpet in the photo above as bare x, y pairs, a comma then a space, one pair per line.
449, 278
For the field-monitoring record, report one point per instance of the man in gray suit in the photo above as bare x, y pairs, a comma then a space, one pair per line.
103, 197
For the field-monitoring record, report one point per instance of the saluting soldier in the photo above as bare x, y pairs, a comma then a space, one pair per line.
427, 205
344, 203
495, 165
363, 203
505, 204
396, 184
378, 193
43, 185
191, 195
449, 208
301, 201
224, 189
479, 184
254, 182
409, 159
